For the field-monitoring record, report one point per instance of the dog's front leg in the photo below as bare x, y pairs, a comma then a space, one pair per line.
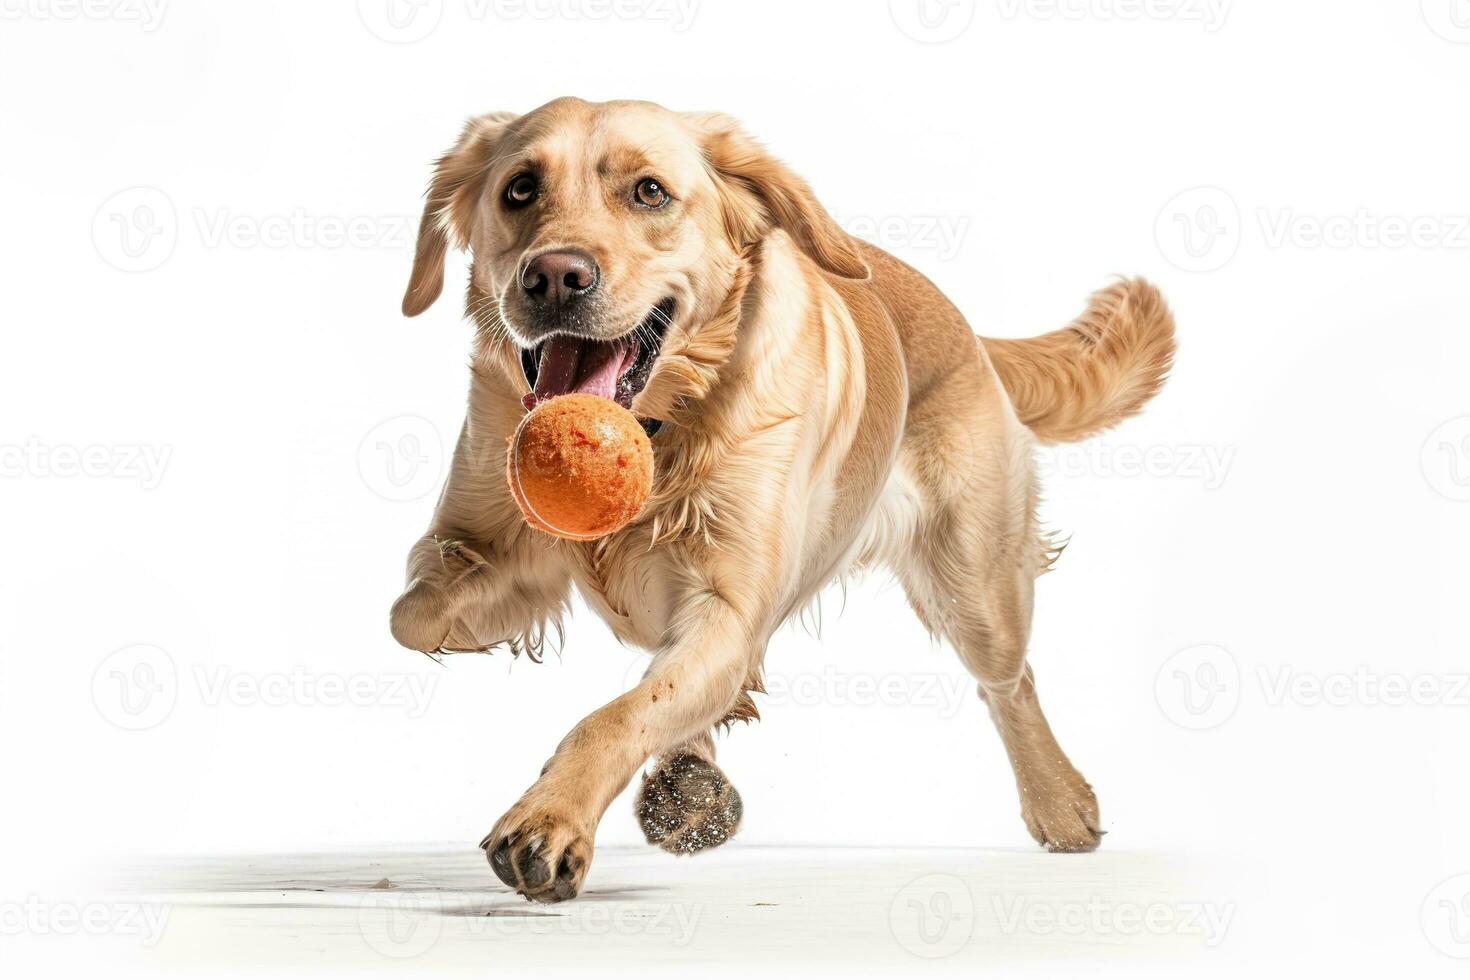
542, 848
466, 594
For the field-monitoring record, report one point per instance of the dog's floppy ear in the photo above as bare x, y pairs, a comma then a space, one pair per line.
760, 193
449, 207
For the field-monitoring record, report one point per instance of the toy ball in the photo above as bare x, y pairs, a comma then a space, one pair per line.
579, 466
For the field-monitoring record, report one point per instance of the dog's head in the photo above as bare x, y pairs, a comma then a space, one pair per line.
606, 234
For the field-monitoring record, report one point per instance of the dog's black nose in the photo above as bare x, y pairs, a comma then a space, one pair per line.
560, 276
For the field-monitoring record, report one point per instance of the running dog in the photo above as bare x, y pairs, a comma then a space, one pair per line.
816, 407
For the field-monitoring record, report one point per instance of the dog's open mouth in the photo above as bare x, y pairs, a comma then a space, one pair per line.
616, 369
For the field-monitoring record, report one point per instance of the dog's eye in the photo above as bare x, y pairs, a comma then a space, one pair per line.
521, 191
651, 193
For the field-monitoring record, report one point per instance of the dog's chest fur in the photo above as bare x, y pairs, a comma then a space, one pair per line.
629, 585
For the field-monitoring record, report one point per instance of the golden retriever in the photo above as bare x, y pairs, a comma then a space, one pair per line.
816, 406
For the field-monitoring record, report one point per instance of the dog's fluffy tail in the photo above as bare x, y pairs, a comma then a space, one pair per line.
1091, 375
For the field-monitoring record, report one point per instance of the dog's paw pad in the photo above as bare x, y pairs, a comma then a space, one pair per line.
688, 805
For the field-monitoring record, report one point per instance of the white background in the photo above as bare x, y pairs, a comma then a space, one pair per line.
261, 434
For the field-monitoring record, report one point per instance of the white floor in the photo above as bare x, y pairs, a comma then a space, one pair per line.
843, 910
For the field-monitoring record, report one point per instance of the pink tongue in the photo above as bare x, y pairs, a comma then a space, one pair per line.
558, 369
571, 364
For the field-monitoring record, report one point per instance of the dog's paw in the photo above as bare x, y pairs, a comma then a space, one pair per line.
543, 856
688, 805
421, 619
424, 616
1064, 818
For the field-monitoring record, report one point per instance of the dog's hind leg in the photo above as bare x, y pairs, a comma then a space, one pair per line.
970, 577
985, 613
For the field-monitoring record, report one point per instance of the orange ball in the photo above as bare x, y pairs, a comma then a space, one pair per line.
580, 466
